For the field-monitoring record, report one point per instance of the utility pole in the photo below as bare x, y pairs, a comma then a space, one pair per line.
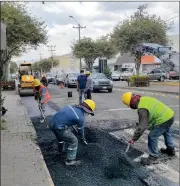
52, 49
40, 56
79, 27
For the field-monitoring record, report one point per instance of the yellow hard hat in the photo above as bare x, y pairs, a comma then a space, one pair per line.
88, 73
36, 83
91, 104
126, 98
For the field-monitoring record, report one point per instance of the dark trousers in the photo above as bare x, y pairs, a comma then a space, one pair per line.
88, 94
67, 141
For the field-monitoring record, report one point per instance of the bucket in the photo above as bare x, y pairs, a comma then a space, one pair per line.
69, 94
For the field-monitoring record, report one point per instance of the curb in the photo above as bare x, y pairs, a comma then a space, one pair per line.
150, 91
167, 84
33, 132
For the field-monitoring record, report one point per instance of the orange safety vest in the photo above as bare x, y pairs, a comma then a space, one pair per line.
47, 96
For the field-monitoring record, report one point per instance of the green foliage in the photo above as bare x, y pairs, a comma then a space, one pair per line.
22, 29
44, 65
107, 72
90, 50
135, 77
13, 67
141, 27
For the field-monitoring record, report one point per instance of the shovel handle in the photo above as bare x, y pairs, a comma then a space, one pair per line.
127, 148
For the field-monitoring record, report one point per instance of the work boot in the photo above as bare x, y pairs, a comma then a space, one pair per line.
170, 151
72, 162
149, 160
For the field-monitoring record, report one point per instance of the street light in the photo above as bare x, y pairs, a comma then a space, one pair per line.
79, 27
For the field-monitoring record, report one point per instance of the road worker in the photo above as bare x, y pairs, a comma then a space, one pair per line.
89, 86
71, 116
155, 116
44, 80
41, 95
81, 85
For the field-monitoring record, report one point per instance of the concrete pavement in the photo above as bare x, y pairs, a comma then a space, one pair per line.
22, 163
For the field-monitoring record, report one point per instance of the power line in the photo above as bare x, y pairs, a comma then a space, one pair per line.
172, 18
52, 49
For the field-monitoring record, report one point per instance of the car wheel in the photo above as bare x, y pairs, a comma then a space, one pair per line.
109, 90
68, 85
162, 78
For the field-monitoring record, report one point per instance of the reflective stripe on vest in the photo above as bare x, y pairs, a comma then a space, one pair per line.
47, 95
74, 111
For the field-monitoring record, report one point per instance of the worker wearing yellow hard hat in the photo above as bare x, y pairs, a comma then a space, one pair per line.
89, 86
63, 120
155, 116
41, 94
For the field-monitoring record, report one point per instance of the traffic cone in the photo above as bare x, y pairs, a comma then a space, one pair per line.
61, 85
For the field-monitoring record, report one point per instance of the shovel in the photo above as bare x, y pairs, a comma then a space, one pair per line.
42, 114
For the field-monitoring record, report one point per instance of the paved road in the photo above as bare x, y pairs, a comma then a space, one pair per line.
118, 120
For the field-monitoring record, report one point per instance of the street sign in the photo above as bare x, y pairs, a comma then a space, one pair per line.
3, 36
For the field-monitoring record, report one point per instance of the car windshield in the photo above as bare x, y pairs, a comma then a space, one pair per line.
116, 73
73, 75
98, 76
60, 76
48, 75
127, 69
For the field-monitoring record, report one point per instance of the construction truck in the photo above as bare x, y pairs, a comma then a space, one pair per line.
25, 86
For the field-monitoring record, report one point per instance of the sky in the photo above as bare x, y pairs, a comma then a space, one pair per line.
98, 17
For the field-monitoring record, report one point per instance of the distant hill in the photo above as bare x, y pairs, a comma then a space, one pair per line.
175, 41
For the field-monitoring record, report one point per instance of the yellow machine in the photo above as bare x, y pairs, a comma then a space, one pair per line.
25, 78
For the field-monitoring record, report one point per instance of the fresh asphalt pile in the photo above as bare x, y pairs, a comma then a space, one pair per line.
104, 162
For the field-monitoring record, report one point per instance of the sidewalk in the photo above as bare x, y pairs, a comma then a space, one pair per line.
22, 163
152, 88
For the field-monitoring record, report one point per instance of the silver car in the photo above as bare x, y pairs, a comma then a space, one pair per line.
58, 79
101, 82
71, 80
115, 75
157, 74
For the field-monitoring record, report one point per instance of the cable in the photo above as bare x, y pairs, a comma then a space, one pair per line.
172, 18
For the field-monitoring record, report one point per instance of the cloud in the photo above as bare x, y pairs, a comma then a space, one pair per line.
98, 17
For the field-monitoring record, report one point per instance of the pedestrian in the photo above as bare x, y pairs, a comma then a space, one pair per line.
44, 80
81, 85
155, 116
89, 86
42, 96
60, 126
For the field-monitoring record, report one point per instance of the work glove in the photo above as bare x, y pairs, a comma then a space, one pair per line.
131, 141
83, 141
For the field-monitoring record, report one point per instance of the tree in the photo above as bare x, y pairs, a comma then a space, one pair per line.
140, 28
22, 30
44, 65
13, 67
90, 50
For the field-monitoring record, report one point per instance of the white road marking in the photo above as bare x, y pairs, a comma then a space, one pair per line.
160, 168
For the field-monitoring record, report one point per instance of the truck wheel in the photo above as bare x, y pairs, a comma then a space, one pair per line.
109, 90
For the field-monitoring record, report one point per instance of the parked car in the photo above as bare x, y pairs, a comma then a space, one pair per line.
58, 79
126, 74
157, 74
115, 75
101, 82
49, 77
173, 75
71, 79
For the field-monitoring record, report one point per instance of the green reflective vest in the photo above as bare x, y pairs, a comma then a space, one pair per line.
158, 111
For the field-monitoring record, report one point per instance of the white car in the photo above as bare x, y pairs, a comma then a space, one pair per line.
115, 75
125, 75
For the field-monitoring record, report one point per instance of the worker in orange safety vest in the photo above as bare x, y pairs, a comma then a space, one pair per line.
41, 94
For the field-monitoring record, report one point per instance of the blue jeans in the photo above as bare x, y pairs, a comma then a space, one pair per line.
163, 129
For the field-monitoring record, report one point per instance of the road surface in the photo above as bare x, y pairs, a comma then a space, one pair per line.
116, 120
